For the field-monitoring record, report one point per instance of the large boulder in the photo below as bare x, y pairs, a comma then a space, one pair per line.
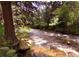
3, 51
7, 52
11, 53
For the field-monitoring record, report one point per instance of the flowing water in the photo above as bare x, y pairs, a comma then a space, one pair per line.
67, 43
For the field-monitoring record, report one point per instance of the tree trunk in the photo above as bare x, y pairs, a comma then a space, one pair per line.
8, 21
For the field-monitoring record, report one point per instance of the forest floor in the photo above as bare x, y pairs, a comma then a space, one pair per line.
68, 45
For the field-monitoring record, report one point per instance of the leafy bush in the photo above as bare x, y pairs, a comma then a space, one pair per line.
64, 16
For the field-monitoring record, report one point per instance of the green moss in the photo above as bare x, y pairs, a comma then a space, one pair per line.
3, 51
6, 52
11, 53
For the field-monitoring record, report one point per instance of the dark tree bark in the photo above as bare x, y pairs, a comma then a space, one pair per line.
9, 28
8, 21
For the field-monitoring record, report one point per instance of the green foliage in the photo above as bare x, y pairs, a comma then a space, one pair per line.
64, 16
74, 28
22, 32
68, 19
74, 19
1, 30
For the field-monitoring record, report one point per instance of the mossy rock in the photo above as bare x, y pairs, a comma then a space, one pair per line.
3, 51
11, 53
6, 52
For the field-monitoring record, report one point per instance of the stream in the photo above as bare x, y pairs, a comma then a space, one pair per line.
56, 40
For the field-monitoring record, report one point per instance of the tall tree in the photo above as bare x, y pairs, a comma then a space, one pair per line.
8, 21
